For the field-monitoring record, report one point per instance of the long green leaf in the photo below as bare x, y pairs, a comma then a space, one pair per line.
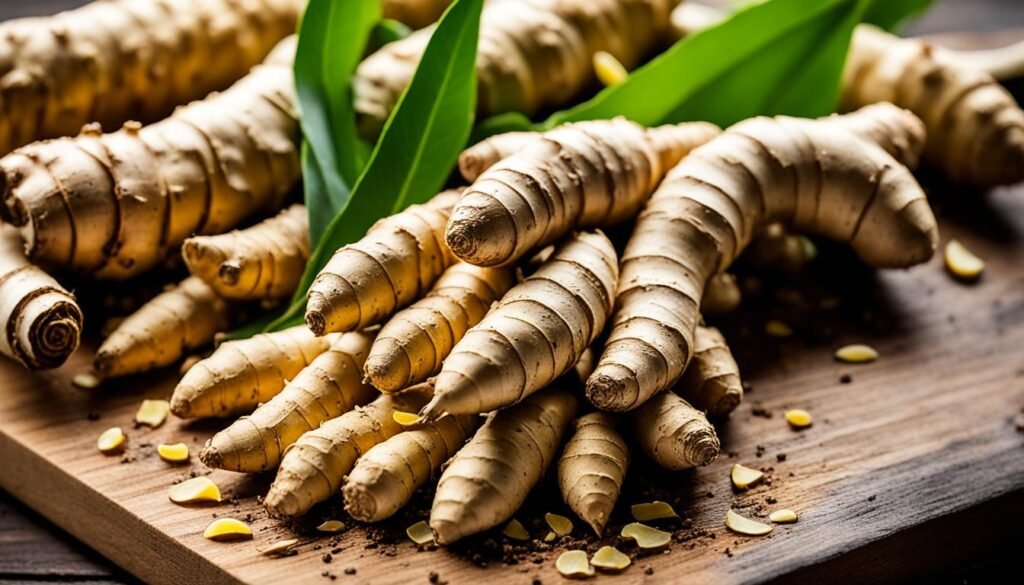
891, 14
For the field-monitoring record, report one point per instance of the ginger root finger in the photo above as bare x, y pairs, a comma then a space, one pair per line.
592, 468
674, 434
115, 205
329, 386
537, 332
414, 13
481, 156
412, 345
711, 382
722, 295
813, 175
41, 320
393, 265
163, 330
262, 262
489, 478
583, 175
242, 374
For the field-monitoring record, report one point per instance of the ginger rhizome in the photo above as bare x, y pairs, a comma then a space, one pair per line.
536, 333
262, 262
41, 322
673, 433
592, 468
813, 175
315, 466
484, 154
123, 60
395, 264
722, 295
711, 382
162, 331
242, 374
414, 13
532, 54
583, 175
329, 386
115, 205
489, 478
412, 345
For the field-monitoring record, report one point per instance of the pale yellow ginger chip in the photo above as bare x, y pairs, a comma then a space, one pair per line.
515, 530
406, 418
111, 441
645, 536
656, 510
744, 477
961, 262
610, 71
550, 536
574, 564
609, 558
197, 489
798, 419
174, 453
227, 529
857, 353
152, 413
279, 548
558, 523
331, 526
784, 516
86, 380
743, 525
776, 328
420, 533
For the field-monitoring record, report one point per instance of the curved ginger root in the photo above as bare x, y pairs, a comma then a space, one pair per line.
675, 434
484, 154
329, 386
583, 175
537, 332
160, 332
412, 345
711, 382
811, 174
264, 261
592, 469
41, 320
242, 374
488, 479
114, 205
393, 265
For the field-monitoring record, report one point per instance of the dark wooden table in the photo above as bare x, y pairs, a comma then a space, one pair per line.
34, 551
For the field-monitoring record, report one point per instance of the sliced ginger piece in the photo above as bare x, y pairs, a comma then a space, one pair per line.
111, 441
197, 489
856, 353
420, 533
227, 529
406, 419
152, 413
961, 262
799, 419
280, 548
559, 524
784, 516
743, 525
574, 564
515, 530
609, 558
610, 71
645, 536
776, 328
86, 380
331, 526
174, 453
656, 510
745, 477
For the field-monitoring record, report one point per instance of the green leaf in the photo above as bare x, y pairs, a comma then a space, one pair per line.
419, 145
891, 14
387, 31
501, 123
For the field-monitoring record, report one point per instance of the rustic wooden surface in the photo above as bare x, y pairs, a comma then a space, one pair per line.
907, 472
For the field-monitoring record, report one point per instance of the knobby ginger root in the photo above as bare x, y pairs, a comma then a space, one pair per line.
722, 295
160, 332
532, 54
414, 13
264, 261
776, 249
536, 333
583, 175
115, 205
813, 175
673, 433
488, 479
242, 374
592, 469
484, 154
125, 60
315, 466
712, 380
41, 320
393, 265
329, 386
412, 345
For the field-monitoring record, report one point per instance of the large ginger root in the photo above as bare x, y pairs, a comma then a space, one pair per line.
536, 333
41, 321
114, 205
532, 54
186, 317
484, 154
592, 469
711, 382
584, 175
329, 386
488, 479
811, 174
242, 374
675, 434
315, 466
123, 60
263, 262
395, 264
412, 345
414, 13
384, 479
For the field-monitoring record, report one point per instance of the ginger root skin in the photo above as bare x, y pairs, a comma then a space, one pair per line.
394, 265
186, 317
262, 262
484, 154
414, 13
489, 478
711, 382
813, 175
414, 343
536, 333
592, 468
41, 320
328, 387
242, 374
674, 434
114, 205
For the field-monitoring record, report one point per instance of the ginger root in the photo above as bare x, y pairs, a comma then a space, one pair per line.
722, 295
592, 469
484, 154
414, 13
712, 380
41, 320
673, 433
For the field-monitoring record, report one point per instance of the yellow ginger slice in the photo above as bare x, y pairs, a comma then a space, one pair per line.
784, 516
515, 530
798, 419
86, 380
331, 526
574, 564
111, 441
776, 328
420, 533
856, 353
197, 489
152, 413
227, 529
406, 419
745, 477
174, 453
645, 536
609, 558
743, 525
280, 548
559, 524
961, 262
610, 71
656, 510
